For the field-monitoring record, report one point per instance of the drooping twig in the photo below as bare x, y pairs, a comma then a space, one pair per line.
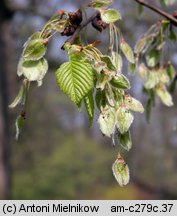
168, 16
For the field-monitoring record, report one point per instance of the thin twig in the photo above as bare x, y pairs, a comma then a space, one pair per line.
168, 16
80, 27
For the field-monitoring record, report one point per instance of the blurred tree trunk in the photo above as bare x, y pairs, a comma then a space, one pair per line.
5, 15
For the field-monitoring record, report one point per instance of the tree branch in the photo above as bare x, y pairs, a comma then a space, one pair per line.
168, 16
80, 27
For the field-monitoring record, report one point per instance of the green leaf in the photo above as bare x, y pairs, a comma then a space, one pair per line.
164, 95
110, 16
89, 105
142, 44
133, 104
117, 61
102, 81
79, 106
100, 3
99, 66
19, 125
145, 42
34, 50
109, 63
58, 26
143, 72
121, 171
75, 78
72, 49
127, 51
33, 70
125, 140
167, 2
163, 76
152, 58
107, 121
34, 36
120, 81
100, 99
172, 36
55, 17
160, 46
171, 71
140, 9
164, 25
124, 119
151, 93
172, 86
110, 98
131, 69
20, 98
153, 80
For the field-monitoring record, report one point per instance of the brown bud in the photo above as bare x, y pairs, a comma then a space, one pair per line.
98, 24
69, 30
23, 115
174, 14
76, 17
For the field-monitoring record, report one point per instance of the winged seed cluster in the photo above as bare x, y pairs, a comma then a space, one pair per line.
157, 76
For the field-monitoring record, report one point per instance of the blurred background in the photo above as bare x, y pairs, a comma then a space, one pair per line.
58, 156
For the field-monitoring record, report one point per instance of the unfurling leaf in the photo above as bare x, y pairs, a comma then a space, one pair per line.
34, 50
19, 125
75, 78
131, 69
125, 140
34, 36
152, 58
99, 66
172, 86
100, 99
124, 119
110, 16
89, 105
120, 81
110, 98
20, 98
164, 95
143, 44
102, 81
107, 121
117, 61
133, 104
171, 71
109, 63
172, 36
127, 51
121, 171
33, 70
140, 45
163, 76
153, 79
143, 72
58, 26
